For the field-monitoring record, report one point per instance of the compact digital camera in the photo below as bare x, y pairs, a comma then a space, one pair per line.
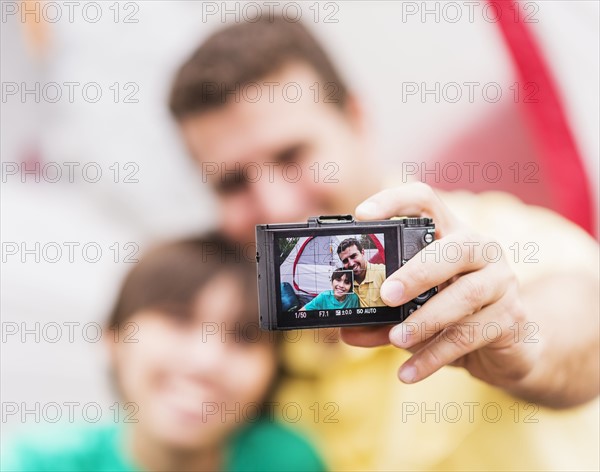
328, 271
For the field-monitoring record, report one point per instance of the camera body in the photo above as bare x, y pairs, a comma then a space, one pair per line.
328, 271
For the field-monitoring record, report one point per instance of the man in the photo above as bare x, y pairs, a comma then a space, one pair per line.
368, 277
260, 99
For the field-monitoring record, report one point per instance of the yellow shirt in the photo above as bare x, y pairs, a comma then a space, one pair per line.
368, 289
363, 418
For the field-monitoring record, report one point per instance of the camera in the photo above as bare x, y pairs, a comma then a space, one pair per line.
328, 271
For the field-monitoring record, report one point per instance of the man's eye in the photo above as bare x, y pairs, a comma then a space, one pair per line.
231, 184
291, 154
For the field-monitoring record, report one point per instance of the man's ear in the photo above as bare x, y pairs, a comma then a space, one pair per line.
355, 113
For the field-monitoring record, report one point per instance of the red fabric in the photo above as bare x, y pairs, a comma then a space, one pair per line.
546, 118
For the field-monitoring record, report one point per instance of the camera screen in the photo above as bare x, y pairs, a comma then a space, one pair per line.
332, 276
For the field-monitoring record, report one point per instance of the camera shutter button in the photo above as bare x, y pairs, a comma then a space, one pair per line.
418, 221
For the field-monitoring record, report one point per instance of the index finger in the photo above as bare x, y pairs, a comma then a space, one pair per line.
414, 199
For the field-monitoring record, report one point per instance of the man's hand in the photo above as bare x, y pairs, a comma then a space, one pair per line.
478, 320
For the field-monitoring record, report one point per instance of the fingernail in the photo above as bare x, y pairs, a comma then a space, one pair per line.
366, 210
408, 373
392, 292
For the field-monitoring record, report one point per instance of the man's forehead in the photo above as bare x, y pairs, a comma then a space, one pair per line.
248, 129
349, 251
237, 130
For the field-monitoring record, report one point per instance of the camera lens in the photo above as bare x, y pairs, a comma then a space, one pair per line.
425, 296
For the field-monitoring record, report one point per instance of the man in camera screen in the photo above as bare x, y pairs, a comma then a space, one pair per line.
368, 277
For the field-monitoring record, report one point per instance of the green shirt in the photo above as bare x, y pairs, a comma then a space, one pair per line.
261, 446
327, 301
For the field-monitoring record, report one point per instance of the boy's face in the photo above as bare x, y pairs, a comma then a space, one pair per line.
341, 286
196, 378
294, 160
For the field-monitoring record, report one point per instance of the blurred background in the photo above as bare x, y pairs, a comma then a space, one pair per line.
118, 60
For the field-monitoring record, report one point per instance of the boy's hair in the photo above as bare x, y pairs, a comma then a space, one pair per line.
169, 277
247, 52
340, 273
349, 242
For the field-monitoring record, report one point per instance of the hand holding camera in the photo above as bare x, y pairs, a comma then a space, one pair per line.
474, 294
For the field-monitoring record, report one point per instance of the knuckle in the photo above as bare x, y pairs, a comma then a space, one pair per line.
471, 293
419, 274
467, 236
505, 319
471, 244
431, 358
516, 313
421, 187
455, 334
511, 311
506, 277
424, 191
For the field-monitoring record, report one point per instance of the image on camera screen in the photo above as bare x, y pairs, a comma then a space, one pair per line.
335, 275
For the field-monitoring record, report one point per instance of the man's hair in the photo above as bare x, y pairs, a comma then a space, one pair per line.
349, 242
244, 53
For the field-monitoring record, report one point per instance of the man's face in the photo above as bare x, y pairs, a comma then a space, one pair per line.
293, 159
354, 260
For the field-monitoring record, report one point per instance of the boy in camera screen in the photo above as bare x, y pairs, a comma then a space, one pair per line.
341, 295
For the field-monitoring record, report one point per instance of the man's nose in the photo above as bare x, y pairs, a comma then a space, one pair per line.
278, 201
